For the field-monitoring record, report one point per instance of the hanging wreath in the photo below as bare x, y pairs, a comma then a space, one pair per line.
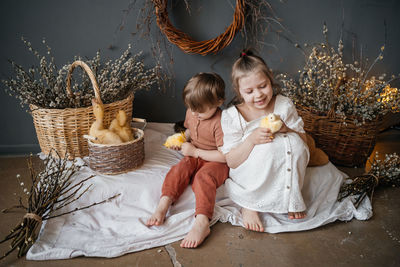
190, 46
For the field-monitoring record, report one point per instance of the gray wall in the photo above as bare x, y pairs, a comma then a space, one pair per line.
81, 27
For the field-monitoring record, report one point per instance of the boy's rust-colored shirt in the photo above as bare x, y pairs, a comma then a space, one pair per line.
205, 134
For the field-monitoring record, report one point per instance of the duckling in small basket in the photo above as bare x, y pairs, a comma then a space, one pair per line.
97, 133
120, 125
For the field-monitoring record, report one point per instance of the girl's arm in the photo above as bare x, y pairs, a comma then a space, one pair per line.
239, 154
210, 155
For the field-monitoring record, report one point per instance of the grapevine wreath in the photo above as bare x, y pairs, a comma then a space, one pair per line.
190, 46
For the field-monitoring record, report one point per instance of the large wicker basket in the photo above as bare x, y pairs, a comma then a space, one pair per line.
63, 129
120, 158
345, 143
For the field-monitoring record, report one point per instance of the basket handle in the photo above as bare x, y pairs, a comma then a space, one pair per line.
140, 120
89, 72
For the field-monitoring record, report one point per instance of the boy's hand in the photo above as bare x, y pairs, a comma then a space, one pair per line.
260, 136
189, 150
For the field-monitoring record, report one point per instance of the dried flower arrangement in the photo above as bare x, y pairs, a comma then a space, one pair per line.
326, 84
385, 172
44, 85
52, 189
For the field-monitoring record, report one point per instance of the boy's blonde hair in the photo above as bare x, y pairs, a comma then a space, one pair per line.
246, 64
204, 90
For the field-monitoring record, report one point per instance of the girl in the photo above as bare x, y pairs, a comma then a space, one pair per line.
266, 171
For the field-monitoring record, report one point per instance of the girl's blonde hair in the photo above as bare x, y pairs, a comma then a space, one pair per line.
204, 90
248, 63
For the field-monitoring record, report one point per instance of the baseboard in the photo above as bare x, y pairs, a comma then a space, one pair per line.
15, 150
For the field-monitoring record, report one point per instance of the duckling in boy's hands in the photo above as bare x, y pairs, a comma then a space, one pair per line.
175, 141
121, 126
272, 122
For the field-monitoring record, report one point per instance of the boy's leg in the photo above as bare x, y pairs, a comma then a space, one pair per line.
158, 217
176, 181
209, 177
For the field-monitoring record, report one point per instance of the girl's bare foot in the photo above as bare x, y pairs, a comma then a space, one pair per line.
159, 215
199, 231
251, 220
297, 215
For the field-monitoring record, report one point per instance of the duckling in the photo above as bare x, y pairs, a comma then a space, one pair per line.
97, 130
272, 122
120, 125
175, 140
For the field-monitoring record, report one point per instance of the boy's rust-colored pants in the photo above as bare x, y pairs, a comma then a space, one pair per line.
206, 177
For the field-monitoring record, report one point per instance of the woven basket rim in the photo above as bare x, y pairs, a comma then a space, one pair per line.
34, 107
140, 131
324, 115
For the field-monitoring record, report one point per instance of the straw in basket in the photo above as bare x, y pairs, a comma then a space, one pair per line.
63, 129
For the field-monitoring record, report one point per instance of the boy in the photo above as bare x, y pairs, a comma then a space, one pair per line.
203, 164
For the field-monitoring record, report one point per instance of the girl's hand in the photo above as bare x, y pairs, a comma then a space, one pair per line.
260, 136
189, 150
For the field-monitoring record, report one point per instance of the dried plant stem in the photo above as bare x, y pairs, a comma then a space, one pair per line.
52, 189
385, 172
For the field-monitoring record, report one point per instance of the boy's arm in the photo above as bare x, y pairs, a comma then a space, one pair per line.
187, 135
210, 155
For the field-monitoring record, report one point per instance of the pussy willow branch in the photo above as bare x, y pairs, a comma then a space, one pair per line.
52, 189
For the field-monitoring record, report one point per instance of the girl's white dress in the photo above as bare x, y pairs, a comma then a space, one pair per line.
271, 178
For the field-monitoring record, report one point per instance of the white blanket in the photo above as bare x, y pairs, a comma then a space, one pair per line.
118, 227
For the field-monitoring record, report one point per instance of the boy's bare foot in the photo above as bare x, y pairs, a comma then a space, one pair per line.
159, 215
297, 215
251, 220
199, 231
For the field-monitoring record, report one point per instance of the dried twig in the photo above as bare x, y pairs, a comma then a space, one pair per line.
386, 172
52, 189
331, 87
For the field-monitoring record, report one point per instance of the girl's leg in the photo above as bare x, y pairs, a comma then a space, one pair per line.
251, 220
175, 183
297, 215
200, 230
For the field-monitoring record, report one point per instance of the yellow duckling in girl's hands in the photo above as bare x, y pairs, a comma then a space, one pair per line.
272, 122
175, 140
121, 126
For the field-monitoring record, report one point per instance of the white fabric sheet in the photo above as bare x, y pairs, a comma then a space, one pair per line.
118, 227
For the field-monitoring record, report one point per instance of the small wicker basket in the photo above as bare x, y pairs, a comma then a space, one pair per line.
63, 129
117, 159
345, 143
